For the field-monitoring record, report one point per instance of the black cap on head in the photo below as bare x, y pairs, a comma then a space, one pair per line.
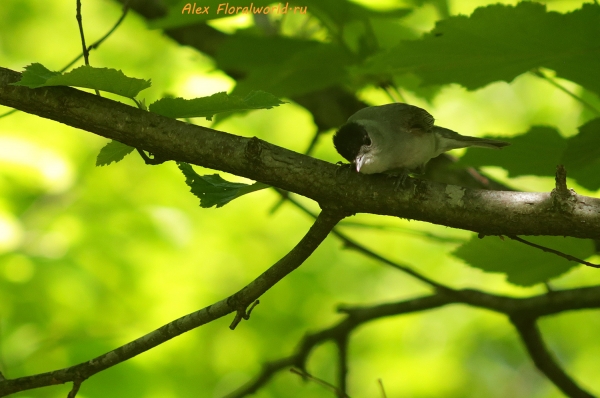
348, 140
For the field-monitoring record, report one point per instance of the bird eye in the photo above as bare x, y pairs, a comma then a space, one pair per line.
367, 140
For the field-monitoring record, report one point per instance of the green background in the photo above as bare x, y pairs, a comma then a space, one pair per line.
93, 257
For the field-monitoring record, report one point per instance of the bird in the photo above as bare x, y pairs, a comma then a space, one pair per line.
398, 138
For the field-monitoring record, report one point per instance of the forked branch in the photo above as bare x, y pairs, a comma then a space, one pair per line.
238, 303
514, 308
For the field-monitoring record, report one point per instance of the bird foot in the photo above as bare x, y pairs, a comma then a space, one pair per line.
344, 168
401, 181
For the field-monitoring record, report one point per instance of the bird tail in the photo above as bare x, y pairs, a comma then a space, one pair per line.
452, 140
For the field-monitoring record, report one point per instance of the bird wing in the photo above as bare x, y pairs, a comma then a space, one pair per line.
416, 120
398, 115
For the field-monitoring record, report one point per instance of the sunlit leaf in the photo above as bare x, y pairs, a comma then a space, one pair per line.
103, 79
500, 42
216, 103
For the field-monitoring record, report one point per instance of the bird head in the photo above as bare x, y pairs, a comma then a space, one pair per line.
354, 144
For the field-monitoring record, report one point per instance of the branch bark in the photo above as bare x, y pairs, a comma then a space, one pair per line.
521, 311
544, 361
237, 302
482, 211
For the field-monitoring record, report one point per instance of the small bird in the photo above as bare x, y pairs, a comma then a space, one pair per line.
397, 139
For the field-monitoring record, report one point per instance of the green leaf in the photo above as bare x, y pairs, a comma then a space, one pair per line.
582, 156
209, 106
114, 151
103, 79
283, 66
35, 75
213, 190
500, 42
244, 53
520, 157
583, 148
522, 264
311, 69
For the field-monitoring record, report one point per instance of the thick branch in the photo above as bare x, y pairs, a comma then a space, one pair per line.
544, 361
238, 302
487, 212
330, 107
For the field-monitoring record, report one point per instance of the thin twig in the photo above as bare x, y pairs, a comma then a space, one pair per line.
558, 253
540, 305
86, 53
75, 389
2, 364
422, 234
9, 113
342, 347
242, 313
380, 382
268, 370
80, 24
394, 95
354, 318
543, 360
586, 104
560, 180
98, 42
323, 383
93, 46
349, 243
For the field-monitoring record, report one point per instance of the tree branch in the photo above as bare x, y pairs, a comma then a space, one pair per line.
558, 253
269, 369
237, 302
341, 343
330, 107
487, 212
354, 245
321, 382
336, 332
98, 42
544, 361
535, 306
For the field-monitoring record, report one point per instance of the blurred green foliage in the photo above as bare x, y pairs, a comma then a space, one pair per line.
93, 257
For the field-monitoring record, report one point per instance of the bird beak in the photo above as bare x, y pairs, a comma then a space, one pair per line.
360, 161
